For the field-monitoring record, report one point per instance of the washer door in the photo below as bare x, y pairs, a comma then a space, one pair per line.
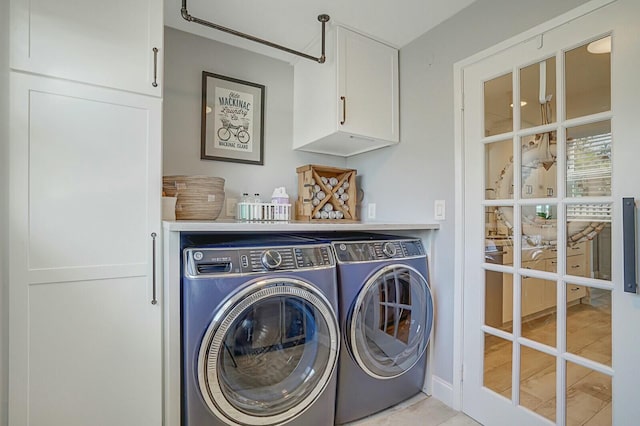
390, 322
269, 352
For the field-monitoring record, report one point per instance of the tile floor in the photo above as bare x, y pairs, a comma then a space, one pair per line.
419, 410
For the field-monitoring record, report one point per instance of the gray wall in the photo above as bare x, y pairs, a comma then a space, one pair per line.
422, 165
186, 56
423, 162
4, 201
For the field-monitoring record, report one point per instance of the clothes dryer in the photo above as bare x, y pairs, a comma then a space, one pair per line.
260, 336
386, 316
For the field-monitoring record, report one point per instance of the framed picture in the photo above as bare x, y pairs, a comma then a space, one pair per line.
232, 120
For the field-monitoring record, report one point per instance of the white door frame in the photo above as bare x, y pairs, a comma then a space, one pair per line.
458, 84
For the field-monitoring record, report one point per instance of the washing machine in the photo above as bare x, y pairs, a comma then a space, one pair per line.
386, 316
260, 335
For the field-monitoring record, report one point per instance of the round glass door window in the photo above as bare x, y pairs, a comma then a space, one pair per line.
269, 353
391, 322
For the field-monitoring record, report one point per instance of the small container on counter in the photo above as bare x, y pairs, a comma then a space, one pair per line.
251, 208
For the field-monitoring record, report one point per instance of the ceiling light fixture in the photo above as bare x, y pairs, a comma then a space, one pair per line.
600, 46
522, 103
322, 18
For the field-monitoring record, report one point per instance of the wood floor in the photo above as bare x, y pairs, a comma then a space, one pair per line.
588, 392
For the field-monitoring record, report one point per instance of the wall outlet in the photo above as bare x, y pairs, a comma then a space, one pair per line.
438, 210
231, 206
371, 211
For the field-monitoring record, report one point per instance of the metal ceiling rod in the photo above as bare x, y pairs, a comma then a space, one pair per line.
322, 18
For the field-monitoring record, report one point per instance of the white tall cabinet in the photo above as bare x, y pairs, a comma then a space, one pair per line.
85, 186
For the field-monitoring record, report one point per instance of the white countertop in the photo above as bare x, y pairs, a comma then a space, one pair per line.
290, 226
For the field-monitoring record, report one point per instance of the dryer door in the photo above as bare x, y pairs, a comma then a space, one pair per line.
390, 322
269, 352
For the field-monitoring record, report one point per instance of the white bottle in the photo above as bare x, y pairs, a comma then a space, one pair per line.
280, 198
244, 207
256, 213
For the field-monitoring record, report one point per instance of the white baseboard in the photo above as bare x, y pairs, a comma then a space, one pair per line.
442, 391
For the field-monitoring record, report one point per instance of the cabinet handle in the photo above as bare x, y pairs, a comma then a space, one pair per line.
629, 244
155, 67
575, 289
344, 110
153, 265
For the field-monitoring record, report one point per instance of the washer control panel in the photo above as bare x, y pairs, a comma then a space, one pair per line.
367, 251
224, 261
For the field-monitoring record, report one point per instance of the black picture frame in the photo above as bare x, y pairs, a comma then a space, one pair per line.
232, 126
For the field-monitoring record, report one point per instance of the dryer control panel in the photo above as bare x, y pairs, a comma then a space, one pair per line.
368, 251
200, 262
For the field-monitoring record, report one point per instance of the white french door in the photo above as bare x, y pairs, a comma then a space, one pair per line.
550, 146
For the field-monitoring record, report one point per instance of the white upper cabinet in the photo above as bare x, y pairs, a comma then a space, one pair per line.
349, 104
103, 43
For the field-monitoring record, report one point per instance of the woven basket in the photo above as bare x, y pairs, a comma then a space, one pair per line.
199, 197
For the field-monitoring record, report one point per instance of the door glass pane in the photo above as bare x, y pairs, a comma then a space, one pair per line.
498, 364
538, 94
499, 251
599, 260
498, 170
589, 160
539, 237
498, 232
589, 240
498, 300
498, 101
588, 79
538, 382
539, 165
538, 310
588, 397
589, 323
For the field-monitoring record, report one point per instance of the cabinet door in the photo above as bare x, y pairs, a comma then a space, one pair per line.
575, 292
85, 339
533, 290
368, 81
107, 43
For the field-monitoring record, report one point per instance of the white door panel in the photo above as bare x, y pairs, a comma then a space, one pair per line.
78, 332
542, 361
87, 175
85, 339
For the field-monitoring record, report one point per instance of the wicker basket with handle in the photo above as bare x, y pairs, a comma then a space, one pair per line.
199, 197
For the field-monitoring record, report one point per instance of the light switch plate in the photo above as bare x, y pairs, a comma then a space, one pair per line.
438, 210
371, 211
231, 206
